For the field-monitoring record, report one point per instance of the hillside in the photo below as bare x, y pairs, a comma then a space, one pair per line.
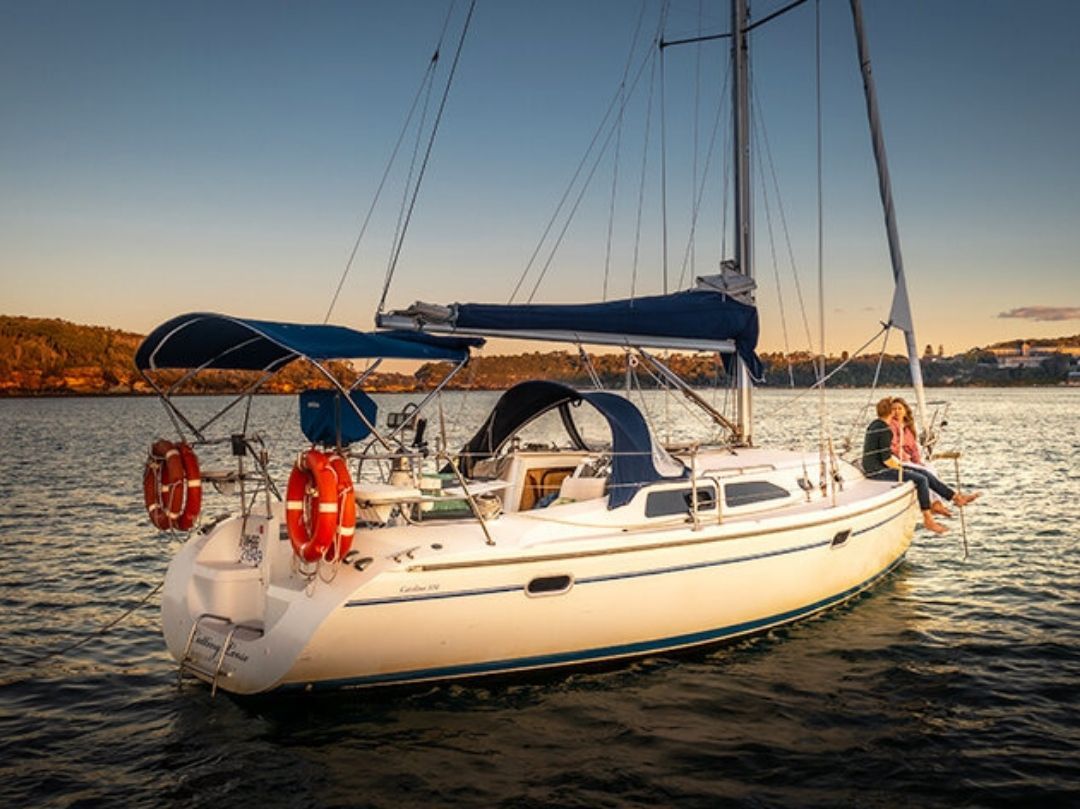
39, 356
49, 357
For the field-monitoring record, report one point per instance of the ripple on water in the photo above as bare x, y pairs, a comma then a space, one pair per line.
952, 684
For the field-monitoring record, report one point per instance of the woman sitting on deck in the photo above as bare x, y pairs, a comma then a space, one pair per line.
905, 447
879, 463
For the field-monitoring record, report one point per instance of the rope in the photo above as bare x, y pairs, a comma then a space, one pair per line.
86, 639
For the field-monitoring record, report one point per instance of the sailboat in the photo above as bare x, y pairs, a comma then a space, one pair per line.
504, 557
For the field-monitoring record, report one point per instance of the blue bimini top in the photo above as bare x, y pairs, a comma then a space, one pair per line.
207, 340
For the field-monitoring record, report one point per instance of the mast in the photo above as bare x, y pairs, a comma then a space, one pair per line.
900, 314
740, 105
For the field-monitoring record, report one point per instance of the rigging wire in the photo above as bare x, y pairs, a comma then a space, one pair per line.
822, 405
425, 82
720, 374
697, 192
586, 363
644, 174
618, 148
569, 220
697, 128
776, 272
618, 104
784, 405
427, 154
398, 226
858, 417
650, 57
729, 167
669, 391
663, 174
764, 132
700, 192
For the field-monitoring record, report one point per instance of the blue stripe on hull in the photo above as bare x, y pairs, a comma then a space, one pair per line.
584, 656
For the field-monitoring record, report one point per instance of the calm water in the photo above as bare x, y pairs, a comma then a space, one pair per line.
953, 684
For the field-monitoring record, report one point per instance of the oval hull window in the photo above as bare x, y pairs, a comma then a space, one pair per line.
549, 586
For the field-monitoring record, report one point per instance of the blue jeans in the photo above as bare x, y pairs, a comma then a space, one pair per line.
923, 480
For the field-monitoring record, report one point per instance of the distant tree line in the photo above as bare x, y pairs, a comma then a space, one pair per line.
976, 367
51, 357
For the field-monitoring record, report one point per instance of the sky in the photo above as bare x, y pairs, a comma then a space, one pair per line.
159, 158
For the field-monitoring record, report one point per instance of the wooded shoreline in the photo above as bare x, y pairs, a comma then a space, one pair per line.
53, 358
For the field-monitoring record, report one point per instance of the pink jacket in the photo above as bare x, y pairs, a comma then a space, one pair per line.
904, 445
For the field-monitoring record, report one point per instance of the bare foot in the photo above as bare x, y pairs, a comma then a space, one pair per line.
932, 525
964, 499
937, 507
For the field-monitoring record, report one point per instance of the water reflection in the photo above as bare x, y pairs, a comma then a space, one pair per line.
952, 683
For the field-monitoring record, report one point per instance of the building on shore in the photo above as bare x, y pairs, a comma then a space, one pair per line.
1027, 355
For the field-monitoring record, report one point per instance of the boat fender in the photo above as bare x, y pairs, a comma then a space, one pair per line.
172, 487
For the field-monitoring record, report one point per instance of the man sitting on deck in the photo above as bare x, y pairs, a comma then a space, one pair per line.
879, 463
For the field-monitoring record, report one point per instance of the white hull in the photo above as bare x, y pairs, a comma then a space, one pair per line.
437, 602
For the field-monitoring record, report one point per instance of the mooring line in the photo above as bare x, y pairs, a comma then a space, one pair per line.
86, 639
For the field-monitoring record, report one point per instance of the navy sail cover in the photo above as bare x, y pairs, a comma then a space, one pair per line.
206, 340
700, 314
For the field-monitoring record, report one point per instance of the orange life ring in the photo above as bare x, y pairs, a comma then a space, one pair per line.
172, 487
346, 526
311, 505
192, 486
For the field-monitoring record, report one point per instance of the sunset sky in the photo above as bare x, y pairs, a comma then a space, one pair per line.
157, 158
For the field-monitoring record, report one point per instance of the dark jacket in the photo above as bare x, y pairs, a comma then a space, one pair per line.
877, 447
